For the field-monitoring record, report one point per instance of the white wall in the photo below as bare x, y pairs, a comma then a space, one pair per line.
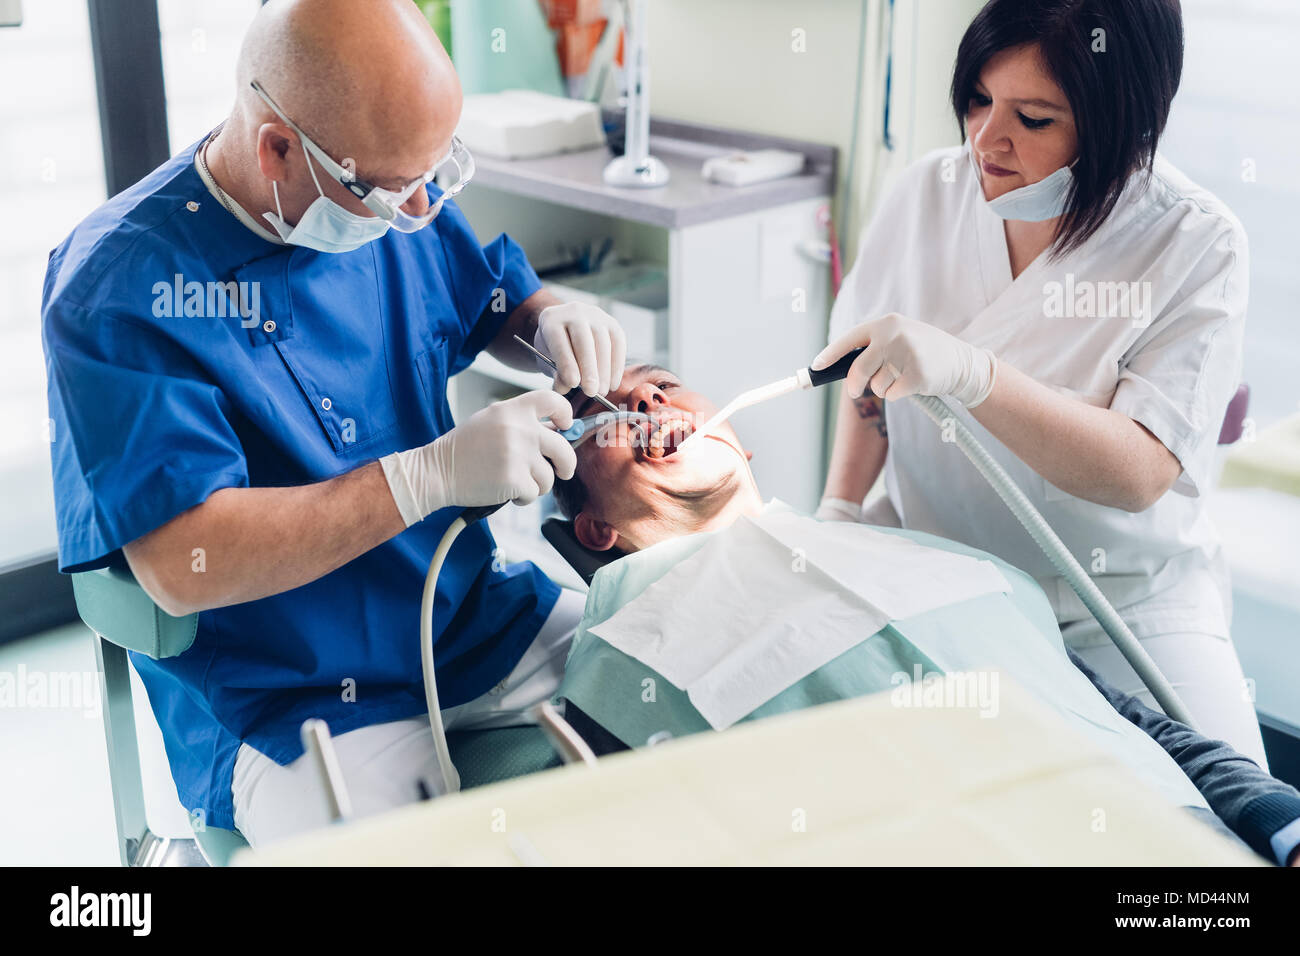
730, 63
733, 63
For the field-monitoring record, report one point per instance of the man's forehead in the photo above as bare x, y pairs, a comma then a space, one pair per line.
389, 177
644, 371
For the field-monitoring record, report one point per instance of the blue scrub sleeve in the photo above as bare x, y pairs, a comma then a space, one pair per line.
488, 282
138, 433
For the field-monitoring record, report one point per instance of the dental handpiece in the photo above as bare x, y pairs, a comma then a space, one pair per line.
584, 428
580, 431
802, 379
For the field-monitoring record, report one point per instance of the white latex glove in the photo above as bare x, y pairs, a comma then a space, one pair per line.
586, 343
906, 357
838, 509
502, 453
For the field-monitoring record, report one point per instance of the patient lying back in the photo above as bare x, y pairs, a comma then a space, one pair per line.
738, 610
635, 486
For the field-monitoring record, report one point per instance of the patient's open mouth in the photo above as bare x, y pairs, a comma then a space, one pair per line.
667, 436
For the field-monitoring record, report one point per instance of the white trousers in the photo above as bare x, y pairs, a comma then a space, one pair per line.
384, 765
1204, 671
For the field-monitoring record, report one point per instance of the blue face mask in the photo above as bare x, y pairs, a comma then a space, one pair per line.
1045, 199
326, 226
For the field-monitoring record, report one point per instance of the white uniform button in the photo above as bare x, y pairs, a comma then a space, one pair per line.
326, 404
268, 325
192, 206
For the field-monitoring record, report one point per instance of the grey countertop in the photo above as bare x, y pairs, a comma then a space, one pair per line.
576, 179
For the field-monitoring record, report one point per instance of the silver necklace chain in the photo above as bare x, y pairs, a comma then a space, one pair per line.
221, 193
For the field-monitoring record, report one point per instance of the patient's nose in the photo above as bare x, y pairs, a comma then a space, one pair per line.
646, 398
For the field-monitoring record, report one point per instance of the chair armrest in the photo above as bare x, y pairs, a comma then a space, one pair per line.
115, 607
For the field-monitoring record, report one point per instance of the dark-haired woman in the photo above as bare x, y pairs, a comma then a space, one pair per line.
1081, 305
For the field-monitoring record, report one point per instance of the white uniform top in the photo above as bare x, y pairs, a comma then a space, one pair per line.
1167, 354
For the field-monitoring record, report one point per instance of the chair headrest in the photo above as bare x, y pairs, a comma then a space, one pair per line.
559, 532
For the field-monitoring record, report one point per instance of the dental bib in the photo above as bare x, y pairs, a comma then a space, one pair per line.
627, 651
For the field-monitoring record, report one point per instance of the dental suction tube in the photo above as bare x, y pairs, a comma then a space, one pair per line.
1047, 540
831, 373
803, 378
1015, 499
1060, 556
581, 430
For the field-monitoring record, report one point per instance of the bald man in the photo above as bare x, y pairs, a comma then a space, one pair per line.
248, 353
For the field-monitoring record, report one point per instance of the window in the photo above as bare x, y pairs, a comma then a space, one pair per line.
200, 46
1235, 129
52, 154
54, 174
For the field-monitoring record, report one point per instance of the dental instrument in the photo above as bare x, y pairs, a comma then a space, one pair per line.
584, 428
1029, 517
802, 379
600, 398
576, 434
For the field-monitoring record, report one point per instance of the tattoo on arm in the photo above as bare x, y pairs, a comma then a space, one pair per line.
870, 410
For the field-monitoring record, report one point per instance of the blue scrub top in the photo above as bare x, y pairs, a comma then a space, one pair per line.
160, 394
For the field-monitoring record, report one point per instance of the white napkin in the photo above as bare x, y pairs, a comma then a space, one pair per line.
769, 600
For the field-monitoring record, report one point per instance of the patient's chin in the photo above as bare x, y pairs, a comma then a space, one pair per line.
707, 459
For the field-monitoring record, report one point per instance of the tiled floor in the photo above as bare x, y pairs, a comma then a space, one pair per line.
55, 803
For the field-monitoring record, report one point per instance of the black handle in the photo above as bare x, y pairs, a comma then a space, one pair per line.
482, 511
836, 372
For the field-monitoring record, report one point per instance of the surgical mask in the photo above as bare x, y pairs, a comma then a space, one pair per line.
325, 226
385, 203
1045, 199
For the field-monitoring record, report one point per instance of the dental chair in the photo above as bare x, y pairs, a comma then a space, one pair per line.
586, 562
124, 618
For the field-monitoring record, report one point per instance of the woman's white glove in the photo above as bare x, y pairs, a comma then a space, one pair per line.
906, 357
587, 345
502, 453
838, 509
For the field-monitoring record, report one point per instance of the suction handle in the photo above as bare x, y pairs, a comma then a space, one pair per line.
836, 372
481, 511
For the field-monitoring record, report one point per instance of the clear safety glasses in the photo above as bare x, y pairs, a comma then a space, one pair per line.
387, 203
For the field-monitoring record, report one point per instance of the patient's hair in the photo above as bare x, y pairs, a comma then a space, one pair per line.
1120, 97
570, 496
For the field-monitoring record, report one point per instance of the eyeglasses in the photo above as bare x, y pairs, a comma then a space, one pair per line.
387, 203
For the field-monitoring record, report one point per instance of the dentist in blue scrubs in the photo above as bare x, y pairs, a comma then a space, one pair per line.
248, 354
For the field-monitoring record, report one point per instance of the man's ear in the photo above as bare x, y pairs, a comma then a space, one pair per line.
273, 146
593, 533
